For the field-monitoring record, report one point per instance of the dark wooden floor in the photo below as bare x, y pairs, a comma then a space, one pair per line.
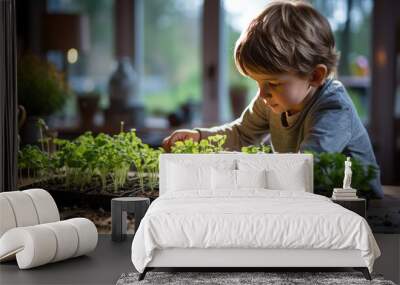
110, 259
103, 266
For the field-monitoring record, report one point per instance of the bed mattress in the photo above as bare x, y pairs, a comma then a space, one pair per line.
250, 219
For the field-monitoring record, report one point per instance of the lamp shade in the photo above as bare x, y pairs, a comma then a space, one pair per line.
62, 32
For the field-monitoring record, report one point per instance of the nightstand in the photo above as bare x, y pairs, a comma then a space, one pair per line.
357, 205
119, 209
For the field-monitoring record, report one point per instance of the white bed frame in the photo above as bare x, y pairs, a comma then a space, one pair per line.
250, 257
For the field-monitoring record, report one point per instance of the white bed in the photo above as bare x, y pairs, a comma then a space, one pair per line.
202, 220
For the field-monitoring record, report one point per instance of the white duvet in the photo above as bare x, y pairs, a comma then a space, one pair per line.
255, 218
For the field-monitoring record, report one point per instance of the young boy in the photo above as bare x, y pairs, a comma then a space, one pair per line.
289, 50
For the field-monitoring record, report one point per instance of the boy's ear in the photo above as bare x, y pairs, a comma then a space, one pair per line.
318, 75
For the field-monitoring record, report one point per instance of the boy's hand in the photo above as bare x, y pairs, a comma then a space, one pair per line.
180, 135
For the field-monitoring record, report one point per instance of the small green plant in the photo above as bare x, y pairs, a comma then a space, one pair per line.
329, 173
41, 124
252, 149
151, 166
34, 161
212, 144
76, 159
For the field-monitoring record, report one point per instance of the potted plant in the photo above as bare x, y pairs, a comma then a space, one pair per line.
41, 90
328, 174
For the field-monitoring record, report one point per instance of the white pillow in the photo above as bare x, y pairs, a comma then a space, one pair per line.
278, 180
282, 174
251, 178
227, 179
223, 179
188, 177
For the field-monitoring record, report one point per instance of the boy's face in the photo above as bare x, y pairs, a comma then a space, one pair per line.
281, 92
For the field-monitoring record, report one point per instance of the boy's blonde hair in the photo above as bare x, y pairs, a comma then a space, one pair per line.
287, 37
